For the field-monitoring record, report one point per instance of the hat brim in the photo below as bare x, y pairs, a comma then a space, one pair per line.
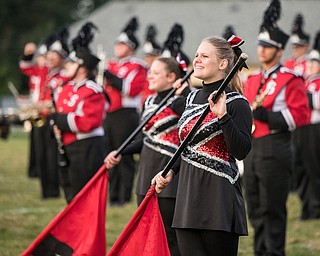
266, 44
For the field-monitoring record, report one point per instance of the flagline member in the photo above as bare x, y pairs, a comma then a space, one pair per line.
159, 139
126, 77
279, 103
210, 212
80, 110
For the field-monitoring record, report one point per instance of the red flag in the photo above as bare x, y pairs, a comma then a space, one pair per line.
80, 228
144, 235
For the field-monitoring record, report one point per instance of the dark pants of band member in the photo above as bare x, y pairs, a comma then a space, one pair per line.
166, 206
267, 179
118, 126
307, 169
85, 158
32, 167
202, 242
46, 157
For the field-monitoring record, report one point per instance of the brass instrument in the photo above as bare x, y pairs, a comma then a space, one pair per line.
30, 111
261, 97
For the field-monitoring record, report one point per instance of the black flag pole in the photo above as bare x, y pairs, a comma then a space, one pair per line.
243, 57
146, 120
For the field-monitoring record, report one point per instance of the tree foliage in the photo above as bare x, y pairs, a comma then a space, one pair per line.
25, 21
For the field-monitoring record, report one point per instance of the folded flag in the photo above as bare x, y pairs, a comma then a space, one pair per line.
79, 229
144, 235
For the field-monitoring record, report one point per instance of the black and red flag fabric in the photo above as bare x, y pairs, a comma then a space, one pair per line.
80, 228
144, 235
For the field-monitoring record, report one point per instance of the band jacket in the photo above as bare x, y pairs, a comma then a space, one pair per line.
82, 107
298, 65
313, 89
286, 101
37, 76
133, 72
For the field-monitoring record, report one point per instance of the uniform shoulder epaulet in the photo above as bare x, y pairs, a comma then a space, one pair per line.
289, 71
94, 86
139, 61
255, 73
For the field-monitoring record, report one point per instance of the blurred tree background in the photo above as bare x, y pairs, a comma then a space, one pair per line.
24, 21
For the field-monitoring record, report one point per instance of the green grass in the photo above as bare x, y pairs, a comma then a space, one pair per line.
23, 215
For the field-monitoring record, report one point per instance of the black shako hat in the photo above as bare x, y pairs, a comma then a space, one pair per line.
151, 47
270, 34
315, 52
59, 42
81, 52
298, 36
127, 35
228, 32
172, 46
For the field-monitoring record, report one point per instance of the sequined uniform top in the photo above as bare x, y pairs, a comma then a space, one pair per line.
209, 194
158, 141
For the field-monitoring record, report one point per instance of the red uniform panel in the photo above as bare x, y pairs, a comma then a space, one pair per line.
133, 73
288, 96
85, 106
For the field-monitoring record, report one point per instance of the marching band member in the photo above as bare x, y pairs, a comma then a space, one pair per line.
37, 72
81, 107
268, 167
126, 78
300, 47
306, 140
45, 143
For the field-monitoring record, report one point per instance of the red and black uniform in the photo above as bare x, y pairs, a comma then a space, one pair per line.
46, 143
210, 209
268, 167
298, 65
81, 109
37, 76
126, 79
306, 140
156, 144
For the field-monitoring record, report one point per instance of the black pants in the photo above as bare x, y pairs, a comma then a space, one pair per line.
201, 242
307, 169
32, 167
118, 126
267, 179
47, 160
166, 206
85, 158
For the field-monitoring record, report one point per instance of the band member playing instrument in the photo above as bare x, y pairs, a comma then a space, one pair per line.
80, 111
210, 213
45, 143
126, 78
37, 72
268, 167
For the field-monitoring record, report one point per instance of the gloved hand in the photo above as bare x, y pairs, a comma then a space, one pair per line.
261, 114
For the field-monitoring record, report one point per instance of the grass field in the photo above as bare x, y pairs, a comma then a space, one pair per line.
23, 215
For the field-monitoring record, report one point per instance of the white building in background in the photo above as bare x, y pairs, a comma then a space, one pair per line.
199, 19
